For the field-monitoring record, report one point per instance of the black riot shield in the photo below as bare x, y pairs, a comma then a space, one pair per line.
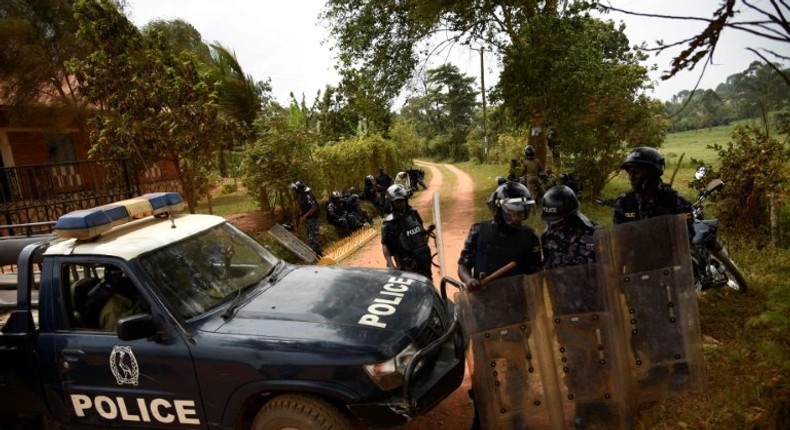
647, 266
509, 357
588, 356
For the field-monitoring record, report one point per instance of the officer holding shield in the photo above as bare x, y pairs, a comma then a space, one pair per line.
569, 241
491, 245
648, 198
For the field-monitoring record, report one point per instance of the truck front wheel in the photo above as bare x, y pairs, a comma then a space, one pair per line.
299, 412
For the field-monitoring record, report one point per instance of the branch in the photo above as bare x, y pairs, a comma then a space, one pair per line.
772, 65
654, 15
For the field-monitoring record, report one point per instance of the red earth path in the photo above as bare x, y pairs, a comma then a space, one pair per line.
455, 412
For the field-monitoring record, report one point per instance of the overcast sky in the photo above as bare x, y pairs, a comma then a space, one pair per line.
284, 40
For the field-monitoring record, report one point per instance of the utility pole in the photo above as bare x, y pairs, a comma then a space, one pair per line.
483, 95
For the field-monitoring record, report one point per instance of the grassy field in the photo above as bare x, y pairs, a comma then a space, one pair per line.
745, 337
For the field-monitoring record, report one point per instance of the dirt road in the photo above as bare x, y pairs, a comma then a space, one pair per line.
456, 412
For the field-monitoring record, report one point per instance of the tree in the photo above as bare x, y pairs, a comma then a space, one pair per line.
577, 77
445, 113
150, 102
280, 155
355, 107
388, 39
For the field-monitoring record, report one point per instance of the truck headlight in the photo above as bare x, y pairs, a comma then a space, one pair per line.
389, 374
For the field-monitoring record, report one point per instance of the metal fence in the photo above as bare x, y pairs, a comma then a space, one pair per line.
39, 194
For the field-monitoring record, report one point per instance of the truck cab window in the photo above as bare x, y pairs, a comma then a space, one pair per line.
99, 295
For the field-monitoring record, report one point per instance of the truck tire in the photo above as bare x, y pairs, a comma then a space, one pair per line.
299, 412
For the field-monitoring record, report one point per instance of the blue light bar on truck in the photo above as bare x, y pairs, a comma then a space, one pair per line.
89, 223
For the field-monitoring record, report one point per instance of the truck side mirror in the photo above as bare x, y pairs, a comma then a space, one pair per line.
138, 326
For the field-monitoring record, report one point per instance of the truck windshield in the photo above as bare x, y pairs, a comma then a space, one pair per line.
208, 269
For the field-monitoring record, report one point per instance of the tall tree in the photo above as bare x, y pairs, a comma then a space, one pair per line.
445, 113
355, 107
578, 78
389, 38
151, 102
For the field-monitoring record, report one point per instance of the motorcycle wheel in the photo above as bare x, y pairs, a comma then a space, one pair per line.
736, 280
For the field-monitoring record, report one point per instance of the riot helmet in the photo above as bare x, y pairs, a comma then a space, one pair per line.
397, 192
335, 196
369, 179
529, 152
298, 186
559, 202
511, 201
645, 156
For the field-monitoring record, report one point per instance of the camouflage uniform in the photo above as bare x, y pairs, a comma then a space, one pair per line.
534, 173
572, 247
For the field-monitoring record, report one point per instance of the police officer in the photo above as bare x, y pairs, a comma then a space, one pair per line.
490, 245
123, 301
534, 172
383, 182
416, 177
650, 197
309, 215
568, 241
403, 237
336, 213
568, 238
369, 192
355, 212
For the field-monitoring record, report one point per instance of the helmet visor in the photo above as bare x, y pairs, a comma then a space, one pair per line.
515, 205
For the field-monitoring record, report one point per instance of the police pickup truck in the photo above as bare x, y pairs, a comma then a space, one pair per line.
133, 316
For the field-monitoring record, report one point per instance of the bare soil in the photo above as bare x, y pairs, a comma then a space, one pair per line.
456, 412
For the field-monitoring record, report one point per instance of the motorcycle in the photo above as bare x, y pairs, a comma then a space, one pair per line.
713, 266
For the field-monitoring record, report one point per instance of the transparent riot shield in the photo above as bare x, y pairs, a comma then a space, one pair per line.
588, 359
512, 377
647, 266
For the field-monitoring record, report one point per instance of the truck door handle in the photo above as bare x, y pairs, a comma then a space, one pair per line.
71, 357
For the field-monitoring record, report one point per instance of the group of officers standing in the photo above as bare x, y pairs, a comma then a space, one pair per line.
568, 239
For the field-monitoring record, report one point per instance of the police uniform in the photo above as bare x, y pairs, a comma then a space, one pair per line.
666, 201
306, 203
488, 247
573, 246
405, 237
336, 214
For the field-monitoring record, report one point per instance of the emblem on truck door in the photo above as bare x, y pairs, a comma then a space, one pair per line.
123, 365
